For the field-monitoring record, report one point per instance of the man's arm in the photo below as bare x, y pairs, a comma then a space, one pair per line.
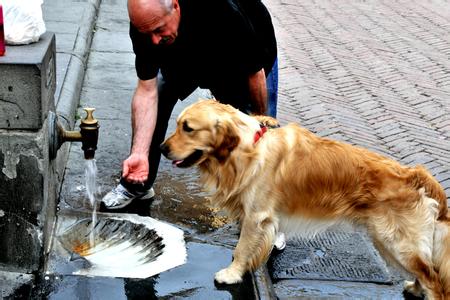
144, 110
258, 92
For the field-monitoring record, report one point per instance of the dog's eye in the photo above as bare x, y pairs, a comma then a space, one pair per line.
186, 127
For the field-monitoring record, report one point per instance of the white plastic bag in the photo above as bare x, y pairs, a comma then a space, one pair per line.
23, 22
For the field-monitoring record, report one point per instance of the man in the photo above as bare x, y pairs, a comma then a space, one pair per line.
227, 46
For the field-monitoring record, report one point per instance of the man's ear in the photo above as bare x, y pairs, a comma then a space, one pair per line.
175, 4
227, 140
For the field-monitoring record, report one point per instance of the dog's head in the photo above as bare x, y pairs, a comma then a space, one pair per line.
205, 130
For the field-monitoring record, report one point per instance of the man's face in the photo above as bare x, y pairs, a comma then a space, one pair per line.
162, 27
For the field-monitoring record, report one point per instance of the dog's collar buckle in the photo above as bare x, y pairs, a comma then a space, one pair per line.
259, 133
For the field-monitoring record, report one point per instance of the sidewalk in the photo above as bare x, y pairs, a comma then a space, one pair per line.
371, 73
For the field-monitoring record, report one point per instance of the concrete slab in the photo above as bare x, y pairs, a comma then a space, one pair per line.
112, 41
52, 11
110, 71
119, 104
107, 18
62, 27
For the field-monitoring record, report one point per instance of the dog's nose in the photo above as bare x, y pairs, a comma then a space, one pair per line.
164, 149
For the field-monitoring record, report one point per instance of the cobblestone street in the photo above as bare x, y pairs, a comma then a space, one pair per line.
372, 73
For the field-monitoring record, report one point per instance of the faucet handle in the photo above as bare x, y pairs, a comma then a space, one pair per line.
89, 120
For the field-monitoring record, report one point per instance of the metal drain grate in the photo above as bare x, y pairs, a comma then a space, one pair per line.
331, 255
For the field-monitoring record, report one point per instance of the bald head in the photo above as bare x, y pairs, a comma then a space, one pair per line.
139, 10
157, 18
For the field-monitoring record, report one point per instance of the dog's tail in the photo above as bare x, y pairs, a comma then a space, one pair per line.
441, 254
422, 178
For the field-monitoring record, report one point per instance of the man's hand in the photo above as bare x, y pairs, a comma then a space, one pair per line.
135, 168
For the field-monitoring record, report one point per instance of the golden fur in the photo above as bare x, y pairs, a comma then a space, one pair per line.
293, 181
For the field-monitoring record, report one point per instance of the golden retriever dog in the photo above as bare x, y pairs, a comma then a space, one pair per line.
289, 180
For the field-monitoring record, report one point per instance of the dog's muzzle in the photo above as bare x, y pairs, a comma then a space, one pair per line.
165, 150
181, 163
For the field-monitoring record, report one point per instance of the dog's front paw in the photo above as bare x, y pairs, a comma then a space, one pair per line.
228, 276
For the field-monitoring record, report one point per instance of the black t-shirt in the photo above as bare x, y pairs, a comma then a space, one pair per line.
219, 43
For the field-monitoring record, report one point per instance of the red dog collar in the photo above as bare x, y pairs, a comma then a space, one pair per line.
259, 134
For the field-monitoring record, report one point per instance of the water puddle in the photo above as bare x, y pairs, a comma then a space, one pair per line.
181, 200
192, 280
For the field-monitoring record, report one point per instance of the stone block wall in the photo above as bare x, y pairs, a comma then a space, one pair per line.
28, 191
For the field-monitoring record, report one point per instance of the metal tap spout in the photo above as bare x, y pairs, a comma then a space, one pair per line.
88, 134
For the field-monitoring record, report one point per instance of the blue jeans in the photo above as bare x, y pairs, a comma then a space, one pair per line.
272, 90
167, 98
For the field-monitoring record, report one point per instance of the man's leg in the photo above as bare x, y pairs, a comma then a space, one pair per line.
272, 90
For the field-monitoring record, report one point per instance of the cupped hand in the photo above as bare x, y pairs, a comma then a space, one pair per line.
135, 168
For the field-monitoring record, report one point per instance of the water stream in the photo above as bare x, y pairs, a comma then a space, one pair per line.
91, 188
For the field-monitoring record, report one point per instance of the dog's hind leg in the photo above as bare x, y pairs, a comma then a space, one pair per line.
408, 236
257, 237
426, 277
441, 254
418, 262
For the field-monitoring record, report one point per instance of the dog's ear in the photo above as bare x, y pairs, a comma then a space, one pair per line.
227, 140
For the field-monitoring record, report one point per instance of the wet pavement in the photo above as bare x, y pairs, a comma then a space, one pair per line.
190, 281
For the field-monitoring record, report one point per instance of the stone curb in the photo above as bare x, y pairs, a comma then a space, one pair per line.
72, 83
263, 284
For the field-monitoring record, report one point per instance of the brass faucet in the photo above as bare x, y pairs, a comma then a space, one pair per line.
88, 134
